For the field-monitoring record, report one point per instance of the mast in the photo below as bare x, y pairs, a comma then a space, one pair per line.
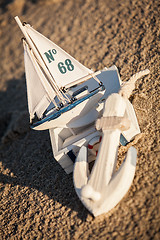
80, 80
40, 61
54, 68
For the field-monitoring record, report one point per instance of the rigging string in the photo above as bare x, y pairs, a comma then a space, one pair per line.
59, 92
51, 99
35, 61
95, 78
62, 96
40, 60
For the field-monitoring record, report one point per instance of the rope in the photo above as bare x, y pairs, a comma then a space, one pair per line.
112, 123
129, 86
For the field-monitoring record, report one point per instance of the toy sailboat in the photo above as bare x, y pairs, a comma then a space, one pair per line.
51, 76
67, 98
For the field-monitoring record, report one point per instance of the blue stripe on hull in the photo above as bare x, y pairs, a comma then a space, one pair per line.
67, 108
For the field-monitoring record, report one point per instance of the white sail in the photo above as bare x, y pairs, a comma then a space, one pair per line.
39, 95
64, 68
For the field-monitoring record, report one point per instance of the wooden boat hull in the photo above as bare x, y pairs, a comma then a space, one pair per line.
73, 115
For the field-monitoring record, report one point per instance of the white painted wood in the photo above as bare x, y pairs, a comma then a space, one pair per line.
134, 126
77, 113
91, 108
113, 192
103, 167
81, 172
114, 122
78, 141
102, 189
62, 144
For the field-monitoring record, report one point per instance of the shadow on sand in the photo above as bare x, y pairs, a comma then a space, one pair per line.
27, 154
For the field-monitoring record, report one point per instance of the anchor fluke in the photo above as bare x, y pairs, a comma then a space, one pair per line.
113, 192
88, 192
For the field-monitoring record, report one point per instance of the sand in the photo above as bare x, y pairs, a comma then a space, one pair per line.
38, 200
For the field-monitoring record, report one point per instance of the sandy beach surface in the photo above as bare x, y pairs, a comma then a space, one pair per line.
37, 198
